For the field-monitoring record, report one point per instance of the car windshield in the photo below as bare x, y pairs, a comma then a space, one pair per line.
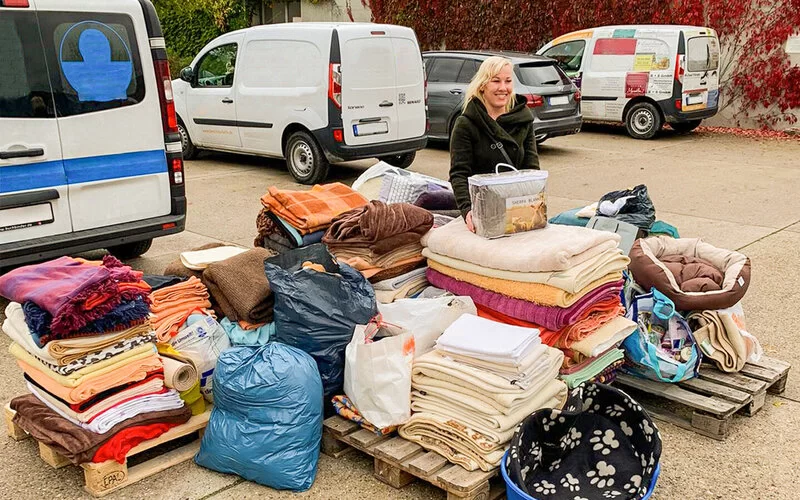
541, 74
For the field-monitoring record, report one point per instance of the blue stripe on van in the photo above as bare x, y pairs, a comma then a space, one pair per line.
77, 170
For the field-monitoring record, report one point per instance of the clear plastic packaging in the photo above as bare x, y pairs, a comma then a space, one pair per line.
508, 202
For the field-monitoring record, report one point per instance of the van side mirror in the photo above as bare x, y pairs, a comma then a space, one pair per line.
187, 74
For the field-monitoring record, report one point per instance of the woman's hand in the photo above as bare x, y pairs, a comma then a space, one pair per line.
468, 220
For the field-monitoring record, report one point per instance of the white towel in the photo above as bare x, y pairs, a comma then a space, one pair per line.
486, 339
15, 327
198, 260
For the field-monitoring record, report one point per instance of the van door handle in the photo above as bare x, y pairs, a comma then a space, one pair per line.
21, 153
227, 100
386, 104
456, 91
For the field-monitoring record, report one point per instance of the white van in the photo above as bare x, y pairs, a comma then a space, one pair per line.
90, 153
312, 93
643, 75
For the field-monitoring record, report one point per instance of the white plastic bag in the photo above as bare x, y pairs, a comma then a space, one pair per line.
427, 319
377, 372
203, 342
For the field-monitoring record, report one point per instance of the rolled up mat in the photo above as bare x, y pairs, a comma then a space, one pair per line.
178, 375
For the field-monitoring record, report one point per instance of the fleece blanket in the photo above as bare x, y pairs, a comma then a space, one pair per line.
403, 286
554, 248
537, 293
240, 287
498, 427
471, 335
310, 211
437, 370
571, 280
374, 225
600, 314
132, 371
173, 304
72, 441
551, 318
368, 258
719, 337
68, 350
606, 336
73, 292
592, 368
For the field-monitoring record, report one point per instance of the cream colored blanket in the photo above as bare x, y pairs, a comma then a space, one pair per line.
554, 248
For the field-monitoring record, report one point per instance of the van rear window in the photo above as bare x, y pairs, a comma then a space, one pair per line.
541, 74
94, 61
702, 54
24, 86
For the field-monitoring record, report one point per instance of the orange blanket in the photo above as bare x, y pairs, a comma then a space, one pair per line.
310, 211
173, 304
133, 371
601, 313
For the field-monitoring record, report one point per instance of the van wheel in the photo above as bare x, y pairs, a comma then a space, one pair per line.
131, 250
400, 161
685, 127
187, 146
305, 159
643, 121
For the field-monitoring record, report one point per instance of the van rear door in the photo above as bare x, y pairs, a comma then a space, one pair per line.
33, 184
410, 82
369, 84
109, 113
701, 73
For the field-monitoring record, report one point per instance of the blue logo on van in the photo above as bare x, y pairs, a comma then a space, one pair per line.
96, 62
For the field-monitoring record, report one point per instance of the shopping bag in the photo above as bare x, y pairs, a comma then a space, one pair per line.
662, 348
203, 342
377, 372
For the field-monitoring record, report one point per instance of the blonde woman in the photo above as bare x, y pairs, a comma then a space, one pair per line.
494, 120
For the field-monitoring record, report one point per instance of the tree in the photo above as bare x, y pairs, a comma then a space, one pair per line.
756, 76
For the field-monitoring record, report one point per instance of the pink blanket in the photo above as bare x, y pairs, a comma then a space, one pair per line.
552, 318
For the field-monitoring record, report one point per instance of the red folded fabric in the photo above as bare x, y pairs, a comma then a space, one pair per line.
117, 447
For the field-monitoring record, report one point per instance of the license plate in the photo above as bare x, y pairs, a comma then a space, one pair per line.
22, 217
694, 99
559, 100
370, 128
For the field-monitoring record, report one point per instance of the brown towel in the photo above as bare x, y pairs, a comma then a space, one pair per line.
719, 338
379, 226
240, 286
72, 441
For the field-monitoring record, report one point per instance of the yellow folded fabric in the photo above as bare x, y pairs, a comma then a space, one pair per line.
131, 371
66, 351
75, 378
544, 295
194, 399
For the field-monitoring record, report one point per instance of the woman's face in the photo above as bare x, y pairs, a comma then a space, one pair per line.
499, 89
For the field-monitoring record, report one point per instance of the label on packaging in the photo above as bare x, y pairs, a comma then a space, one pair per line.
524, 213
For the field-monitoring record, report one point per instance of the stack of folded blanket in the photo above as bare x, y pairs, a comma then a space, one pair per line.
382, 241
565, 281
294, 219
172, 305
408, 285
483, 379
81, 334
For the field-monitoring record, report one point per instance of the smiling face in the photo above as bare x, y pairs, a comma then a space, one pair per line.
499, 89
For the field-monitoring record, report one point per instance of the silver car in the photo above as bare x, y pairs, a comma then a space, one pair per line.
552, 97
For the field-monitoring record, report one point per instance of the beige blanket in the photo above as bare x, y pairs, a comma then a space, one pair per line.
435, 370
720, 339
616, 330
554, 248
571, 280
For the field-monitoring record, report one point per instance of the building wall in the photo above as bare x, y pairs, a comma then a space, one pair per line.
334, 10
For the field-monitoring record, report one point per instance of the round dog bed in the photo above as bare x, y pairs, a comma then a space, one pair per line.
696, 276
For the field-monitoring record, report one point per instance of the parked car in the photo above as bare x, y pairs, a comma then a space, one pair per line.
643, 75
312, 93
90, 154
551, 95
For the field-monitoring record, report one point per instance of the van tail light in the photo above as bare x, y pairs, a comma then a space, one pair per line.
168, 116
678, 104
335, 84
14, 3
577, 96
534, 101
176, 171
679, 68
338, 135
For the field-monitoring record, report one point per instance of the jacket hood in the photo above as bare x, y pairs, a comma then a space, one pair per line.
519, 115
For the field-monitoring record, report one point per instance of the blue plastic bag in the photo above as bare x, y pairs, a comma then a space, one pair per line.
266, 425
642, 356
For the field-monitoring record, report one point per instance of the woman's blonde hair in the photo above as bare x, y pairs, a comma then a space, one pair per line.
490, 68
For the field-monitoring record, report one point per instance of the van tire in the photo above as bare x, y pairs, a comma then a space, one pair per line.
187, 146
643, 121
400, 161
131, 250
685, 127
305, 160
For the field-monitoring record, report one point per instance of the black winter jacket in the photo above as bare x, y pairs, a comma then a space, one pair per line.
474, 145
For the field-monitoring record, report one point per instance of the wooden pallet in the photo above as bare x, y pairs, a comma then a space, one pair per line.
399, 462
106, 477
706, 404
